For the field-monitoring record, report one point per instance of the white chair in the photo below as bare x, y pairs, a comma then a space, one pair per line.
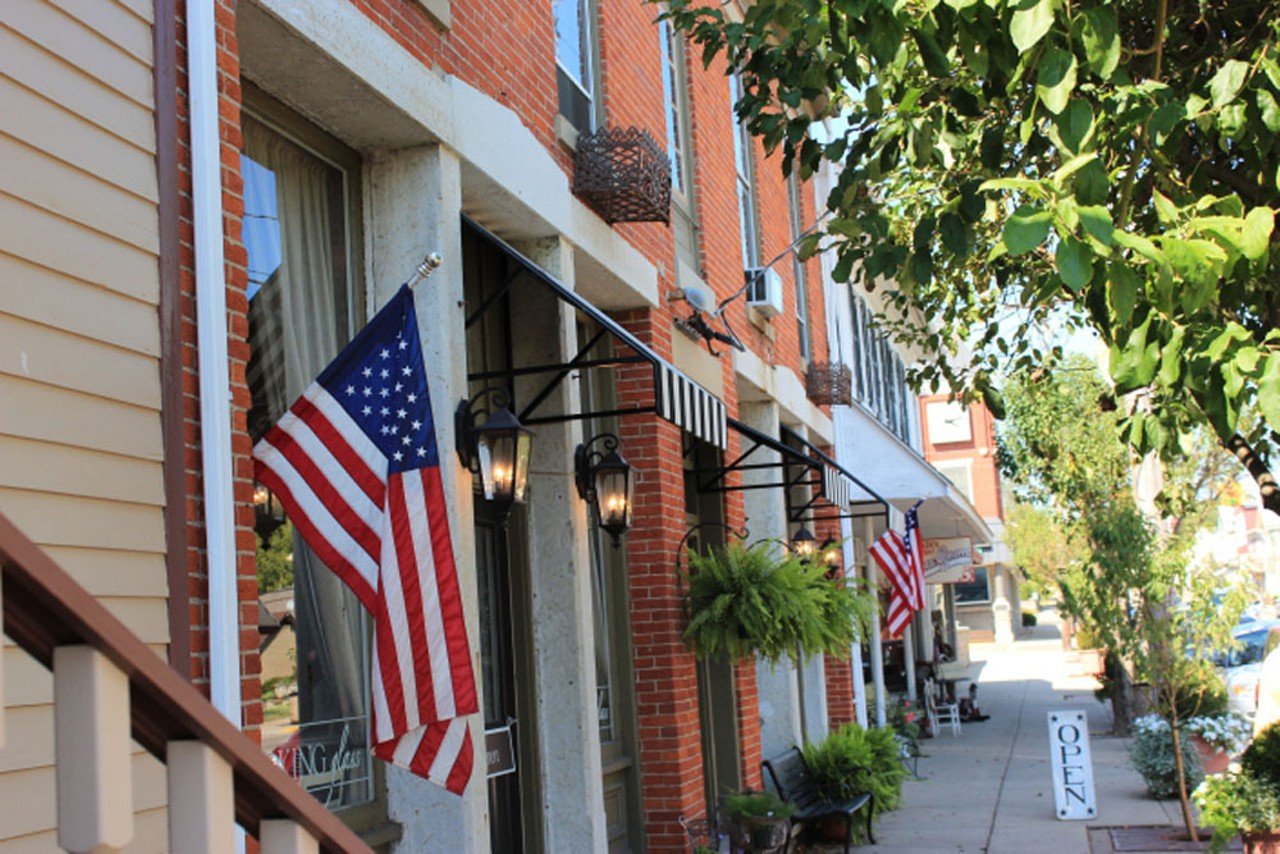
940, 713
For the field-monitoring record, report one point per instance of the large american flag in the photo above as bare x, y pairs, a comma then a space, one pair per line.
355, 464
902, 561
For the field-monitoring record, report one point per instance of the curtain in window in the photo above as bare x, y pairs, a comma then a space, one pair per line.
293, 335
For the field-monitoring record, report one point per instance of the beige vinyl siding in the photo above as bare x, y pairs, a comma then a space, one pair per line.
80, 438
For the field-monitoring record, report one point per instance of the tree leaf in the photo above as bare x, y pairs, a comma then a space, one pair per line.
1075, 124
1269, 391
1030, 22
1097, 224
955, 236
1270, 110
1122, 291
935, 60
1026, 229
1056, 79
1228, 82
1256, 237
1171, 357
1075, 263
991, 148
1091, 184
1101, 38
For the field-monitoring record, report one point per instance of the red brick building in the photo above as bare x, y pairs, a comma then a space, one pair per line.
353, 137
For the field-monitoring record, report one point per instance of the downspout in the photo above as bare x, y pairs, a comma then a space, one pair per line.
215, 380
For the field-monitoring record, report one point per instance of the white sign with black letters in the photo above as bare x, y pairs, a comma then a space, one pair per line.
1073, 792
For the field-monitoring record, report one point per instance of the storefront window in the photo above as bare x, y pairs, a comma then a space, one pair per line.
974, 592
298, 233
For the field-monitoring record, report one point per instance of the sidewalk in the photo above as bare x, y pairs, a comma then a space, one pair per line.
988, 790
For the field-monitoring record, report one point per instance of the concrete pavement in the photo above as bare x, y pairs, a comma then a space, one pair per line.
989, 789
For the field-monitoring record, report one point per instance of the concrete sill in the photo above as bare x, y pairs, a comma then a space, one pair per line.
566, 133
439, 11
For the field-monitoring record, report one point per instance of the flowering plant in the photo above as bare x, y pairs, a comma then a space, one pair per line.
902, 717
1228, 733
1152, 755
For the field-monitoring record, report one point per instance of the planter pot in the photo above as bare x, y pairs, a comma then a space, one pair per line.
758, 835
831, 829
1092, 661
1212, 759
1261, 843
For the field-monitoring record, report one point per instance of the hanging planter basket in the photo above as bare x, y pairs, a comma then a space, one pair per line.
623, 175
829, 383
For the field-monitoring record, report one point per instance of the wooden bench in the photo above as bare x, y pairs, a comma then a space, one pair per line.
791, 778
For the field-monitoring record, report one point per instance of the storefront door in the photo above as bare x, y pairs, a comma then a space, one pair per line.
508, 718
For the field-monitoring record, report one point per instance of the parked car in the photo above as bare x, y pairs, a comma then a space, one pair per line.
1242, 666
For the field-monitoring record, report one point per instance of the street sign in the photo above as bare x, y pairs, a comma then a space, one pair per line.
1074, 796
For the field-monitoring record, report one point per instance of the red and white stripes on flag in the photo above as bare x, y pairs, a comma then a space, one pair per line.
354, 462
891, 556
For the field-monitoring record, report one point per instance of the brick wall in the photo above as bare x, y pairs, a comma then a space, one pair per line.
839, 674
238, 350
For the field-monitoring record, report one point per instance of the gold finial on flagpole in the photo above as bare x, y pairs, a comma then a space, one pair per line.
424, 270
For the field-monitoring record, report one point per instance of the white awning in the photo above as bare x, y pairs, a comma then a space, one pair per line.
903, 476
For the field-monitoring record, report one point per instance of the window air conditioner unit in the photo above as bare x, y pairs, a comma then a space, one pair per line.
764, 290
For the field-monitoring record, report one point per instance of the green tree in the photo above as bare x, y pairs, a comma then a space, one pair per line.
275, 560
1134, 587
1041, 546
1006, 166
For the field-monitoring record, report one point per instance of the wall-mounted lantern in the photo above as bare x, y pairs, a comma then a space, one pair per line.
804, 544
268, 512
497, 449
604, 482
832, 557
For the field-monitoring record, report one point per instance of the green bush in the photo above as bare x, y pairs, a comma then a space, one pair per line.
1029, 618
1235, 803
1206, 699
1262, 758
1152, 754
852, 761
741, 805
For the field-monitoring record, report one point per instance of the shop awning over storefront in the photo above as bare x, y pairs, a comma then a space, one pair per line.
676, 397
798, 463
902, 476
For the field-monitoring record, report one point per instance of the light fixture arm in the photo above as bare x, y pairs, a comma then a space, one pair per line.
468, 416
585, 459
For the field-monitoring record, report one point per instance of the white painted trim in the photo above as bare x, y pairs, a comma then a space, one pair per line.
215, 380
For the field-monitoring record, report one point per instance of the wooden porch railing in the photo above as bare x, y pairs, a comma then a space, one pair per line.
108, 686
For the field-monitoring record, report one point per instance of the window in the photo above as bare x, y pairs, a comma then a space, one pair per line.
301, 236
801, 278
575, 61
975, 592
675, 96
880, 378
748, 215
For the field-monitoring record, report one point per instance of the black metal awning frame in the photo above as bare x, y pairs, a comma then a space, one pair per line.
877, 507
793, 466
558, 371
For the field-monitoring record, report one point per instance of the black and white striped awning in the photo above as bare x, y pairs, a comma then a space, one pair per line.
683, 402
676, 397
840, 488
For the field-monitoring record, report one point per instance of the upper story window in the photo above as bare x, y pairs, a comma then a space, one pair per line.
576, 62
748, 211
879, 377
675, 96
798, 269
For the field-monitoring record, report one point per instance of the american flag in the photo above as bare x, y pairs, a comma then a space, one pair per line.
355, 464
902, 561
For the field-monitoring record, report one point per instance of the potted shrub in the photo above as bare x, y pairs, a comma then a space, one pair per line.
1092, 656
1152, 754
757, 821
1248, 801
852, 761
1217, 738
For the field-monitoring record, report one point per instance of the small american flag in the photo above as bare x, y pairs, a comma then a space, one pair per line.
355, 464
902, 560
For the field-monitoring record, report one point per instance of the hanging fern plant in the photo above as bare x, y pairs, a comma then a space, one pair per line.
748, 601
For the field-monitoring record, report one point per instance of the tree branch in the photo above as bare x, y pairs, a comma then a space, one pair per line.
1258, 470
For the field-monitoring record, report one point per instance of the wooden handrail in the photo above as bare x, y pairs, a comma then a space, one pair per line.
44, 607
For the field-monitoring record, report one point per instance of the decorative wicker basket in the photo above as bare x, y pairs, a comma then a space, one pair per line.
829, 383
623, 175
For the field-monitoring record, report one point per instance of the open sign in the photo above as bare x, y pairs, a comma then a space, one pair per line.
1074, 795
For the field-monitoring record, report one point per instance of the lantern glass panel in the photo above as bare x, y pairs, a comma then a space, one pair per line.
613, 497
520, 473
496, 453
